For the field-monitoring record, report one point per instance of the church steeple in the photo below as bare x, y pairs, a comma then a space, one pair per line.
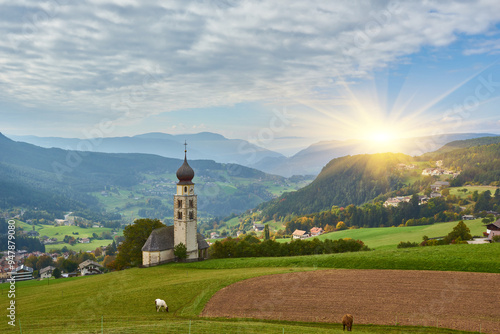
185, 210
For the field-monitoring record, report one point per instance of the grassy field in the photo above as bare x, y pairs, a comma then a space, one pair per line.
123, 300
389, 237
470, 189
59, 232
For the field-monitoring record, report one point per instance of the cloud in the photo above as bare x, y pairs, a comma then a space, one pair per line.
134, 59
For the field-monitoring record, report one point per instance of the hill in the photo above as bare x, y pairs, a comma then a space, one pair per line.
204, 145
343, 181
311, 159
454, 145
60, 180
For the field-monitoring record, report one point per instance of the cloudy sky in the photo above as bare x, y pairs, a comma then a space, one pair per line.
273, 72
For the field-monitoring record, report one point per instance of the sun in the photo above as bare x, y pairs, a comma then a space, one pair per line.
381, 137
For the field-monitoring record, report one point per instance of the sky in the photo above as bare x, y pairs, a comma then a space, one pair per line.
281, 74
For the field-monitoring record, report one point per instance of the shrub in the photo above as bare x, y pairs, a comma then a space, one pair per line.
407, 244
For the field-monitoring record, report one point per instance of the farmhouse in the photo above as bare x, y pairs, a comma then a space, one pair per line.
299, 234
438, 185
159, 248
315, 231
258, 227
46, 272
89, 267
493, 229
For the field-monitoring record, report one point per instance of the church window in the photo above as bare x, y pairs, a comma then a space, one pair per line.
179, 215
191, 203
191, 215
185, 189
179, 203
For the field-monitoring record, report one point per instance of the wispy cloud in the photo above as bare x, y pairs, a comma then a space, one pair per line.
132, 59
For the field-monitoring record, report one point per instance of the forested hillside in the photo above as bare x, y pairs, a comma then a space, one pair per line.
57, 180
457, 144
343, 181
479, 164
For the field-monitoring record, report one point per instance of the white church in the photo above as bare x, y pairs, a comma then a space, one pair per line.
159, 248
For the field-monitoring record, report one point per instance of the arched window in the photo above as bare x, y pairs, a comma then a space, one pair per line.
179, 215
185, 189
191, 203
179, 203
191, 215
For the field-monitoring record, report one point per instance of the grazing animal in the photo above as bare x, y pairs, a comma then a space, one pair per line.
347, 322
159, 304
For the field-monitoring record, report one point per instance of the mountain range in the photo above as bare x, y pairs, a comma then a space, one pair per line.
57, 180
204, 145
212, 146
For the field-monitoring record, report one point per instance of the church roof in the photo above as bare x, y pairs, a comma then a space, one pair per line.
163, 238
185, 173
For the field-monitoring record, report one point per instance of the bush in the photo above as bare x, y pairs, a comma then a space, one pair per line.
496, 238
407, 244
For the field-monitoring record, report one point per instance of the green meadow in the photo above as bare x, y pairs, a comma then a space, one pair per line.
389, 237
122, 302
59, 232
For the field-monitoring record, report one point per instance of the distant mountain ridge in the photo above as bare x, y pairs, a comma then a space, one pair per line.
203, 145
311, 159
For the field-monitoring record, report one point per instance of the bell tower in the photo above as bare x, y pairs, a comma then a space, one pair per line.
185, 210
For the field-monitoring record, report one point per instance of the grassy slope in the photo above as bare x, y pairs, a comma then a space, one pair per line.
59, 232
389, 237
125, 299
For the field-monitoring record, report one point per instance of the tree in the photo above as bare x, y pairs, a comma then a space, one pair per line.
180, 251
69, 266
445, 192
341, 226
56, 273
266, 232
135, 236
44, 261
460, 231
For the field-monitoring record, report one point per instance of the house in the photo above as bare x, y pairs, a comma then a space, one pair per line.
258, 227
239, 233
493, 229
46, 272
214, 235
315, 231
299, 234
22, 273
438, 185
32, 234
89, 267
468, 217
85, 240
435, 194
159, 247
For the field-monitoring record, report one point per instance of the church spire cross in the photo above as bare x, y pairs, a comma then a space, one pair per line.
185, 149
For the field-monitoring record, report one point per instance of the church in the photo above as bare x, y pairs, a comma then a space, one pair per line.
159, 248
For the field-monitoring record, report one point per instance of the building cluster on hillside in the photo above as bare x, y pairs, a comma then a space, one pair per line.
406, 167
422, 199
439, 171
300, 234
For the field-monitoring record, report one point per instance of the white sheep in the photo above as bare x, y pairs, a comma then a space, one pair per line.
159, 303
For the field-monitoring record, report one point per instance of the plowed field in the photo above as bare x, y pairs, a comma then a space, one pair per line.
457, 300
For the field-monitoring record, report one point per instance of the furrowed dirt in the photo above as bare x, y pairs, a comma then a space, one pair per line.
456, 300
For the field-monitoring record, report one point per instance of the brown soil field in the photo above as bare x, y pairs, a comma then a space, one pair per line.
456, 300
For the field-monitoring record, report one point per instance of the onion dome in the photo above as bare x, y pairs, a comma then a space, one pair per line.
185, 173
